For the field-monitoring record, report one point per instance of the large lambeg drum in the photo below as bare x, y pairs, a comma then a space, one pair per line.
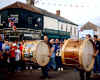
78, 53
37, 51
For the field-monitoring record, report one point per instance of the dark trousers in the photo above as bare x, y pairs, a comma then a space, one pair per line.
52, 63
1, 62
45, 71
84, 75
18, 67
12, 65
97, 64
58, 61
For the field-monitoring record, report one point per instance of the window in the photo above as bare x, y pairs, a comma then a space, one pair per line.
38, 19
30, 20
61, 26
66, 28
71, 30
0, 19
74, 30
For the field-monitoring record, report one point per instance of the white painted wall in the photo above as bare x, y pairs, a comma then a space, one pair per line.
50, 23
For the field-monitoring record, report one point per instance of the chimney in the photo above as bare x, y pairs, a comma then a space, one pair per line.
30, 2
58, 12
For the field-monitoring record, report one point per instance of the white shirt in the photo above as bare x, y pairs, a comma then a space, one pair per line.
59, 52
18, 54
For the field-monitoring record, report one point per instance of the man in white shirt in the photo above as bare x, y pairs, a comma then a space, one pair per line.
17, 58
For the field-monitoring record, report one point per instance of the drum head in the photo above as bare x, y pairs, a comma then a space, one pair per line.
86, 55
42, 52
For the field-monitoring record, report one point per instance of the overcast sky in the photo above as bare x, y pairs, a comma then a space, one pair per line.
78, 11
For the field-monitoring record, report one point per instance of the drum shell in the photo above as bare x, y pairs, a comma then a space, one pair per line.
72, 54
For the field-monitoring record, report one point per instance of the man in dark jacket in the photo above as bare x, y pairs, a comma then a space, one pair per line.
97, 55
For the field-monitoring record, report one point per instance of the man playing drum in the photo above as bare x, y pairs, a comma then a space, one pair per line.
82, 72
45, 68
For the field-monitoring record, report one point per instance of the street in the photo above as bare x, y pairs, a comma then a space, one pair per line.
35, 75
68, 74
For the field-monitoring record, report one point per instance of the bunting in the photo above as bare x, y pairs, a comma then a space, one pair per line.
61, 5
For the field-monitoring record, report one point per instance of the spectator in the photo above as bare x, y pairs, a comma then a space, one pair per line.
1, 43
12, 57
52, 62
97, 55
17, 59
6, 51
1, 59
58, 58
57, 49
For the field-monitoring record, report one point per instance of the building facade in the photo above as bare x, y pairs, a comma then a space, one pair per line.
33, 23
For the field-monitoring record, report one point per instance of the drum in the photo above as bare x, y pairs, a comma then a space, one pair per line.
78, 53
36, 51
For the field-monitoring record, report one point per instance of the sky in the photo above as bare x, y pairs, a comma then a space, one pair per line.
78, 11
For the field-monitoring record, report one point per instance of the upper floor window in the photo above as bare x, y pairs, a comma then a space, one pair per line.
29, 20
66, 28
0, 19
74, 30
61, 26
71, 29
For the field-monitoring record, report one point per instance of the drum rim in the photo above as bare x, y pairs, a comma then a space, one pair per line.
81, 60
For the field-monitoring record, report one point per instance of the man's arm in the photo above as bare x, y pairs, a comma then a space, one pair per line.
51, 51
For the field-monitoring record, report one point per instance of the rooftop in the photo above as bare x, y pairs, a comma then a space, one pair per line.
88, 26
37, 10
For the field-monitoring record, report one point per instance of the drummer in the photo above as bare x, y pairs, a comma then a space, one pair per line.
88, 74
88, 36
97, 59
45, 68
58, 55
